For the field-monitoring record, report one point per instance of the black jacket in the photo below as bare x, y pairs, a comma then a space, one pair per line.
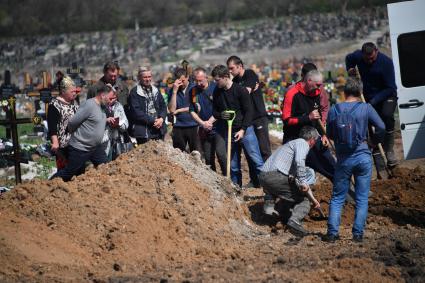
141, 121
235, 98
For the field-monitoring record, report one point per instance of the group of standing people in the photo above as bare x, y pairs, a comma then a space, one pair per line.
196, 107
88, 132
92, 131
199, 108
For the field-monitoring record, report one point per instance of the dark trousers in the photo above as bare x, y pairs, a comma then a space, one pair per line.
221, 151
385, 110
208, 149
320, 159
77, 161
145, 140
261, 129
186, 136
276, 184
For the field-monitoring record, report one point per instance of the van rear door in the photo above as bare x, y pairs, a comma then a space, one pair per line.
407, 32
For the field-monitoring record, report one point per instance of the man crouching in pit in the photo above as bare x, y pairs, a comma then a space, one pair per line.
285, 176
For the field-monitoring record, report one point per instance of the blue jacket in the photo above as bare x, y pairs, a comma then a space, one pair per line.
201, 102
183, 120
378, 78
142, 122
364, 114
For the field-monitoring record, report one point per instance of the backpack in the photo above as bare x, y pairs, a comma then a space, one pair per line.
344, 129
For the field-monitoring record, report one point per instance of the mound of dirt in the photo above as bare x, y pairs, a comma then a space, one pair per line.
151, 209
157, 214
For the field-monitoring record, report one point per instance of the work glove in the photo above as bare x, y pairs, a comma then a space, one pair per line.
226, 115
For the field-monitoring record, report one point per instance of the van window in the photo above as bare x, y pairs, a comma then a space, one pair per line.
411, 48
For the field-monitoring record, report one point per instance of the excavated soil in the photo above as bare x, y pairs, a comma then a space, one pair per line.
157, 214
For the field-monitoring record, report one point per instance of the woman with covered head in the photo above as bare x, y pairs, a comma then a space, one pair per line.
60, 110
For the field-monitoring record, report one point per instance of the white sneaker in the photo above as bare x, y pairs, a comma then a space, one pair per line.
268, 208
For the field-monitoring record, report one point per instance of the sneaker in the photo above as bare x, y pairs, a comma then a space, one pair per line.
296, 229
268, 208
330, 238
358, 238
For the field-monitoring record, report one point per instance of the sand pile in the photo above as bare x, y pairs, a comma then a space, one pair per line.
151, 209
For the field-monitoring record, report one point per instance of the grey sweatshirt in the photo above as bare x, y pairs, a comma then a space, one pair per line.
87, 126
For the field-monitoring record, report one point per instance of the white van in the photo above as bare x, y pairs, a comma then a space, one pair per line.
407, 32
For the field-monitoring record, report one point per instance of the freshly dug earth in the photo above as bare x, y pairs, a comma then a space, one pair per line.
159, 214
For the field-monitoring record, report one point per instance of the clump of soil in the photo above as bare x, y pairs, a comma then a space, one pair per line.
152, 208
394, 238
159, 214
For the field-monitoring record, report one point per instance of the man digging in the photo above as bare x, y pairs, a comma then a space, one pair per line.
285, 176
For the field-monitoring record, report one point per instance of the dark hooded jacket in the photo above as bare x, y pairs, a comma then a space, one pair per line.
297, 105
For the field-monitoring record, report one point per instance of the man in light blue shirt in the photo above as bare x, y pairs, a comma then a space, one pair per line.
285, 176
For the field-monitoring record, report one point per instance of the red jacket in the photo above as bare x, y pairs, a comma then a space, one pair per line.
324, 103
297, 105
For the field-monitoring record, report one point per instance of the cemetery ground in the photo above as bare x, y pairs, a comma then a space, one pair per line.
159, 215
36, 163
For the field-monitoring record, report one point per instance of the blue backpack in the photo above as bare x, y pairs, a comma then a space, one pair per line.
344, 129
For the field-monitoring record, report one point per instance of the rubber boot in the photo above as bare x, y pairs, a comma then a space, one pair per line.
389, 149
268, 207
379, 164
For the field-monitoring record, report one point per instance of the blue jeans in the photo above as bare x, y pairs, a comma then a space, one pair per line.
252, 151
359, 165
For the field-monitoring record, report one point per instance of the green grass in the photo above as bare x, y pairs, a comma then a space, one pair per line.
44, 167
23, 129
273, 126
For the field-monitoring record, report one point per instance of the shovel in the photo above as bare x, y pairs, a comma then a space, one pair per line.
381, 151
356, 75
229, 140
312, 199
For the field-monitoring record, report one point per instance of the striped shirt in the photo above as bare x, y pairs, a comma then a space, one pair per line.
289, 159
